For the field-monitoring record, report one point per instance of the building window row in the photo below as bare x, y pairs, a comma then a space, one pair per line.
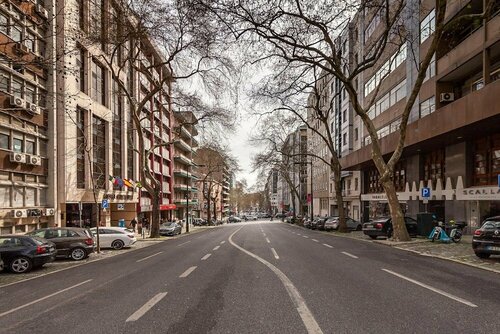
21, 142
431, 70
427, 26
390, 65
388, 100
486, 161
99, 152
17, 85
19, 197
384, 131
14, 23
370, 29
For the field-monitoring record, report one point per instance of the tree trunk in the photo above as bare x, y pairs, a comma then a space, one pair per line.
399, 232
340, 199
215, 211
209, 212
155, 218
293, 205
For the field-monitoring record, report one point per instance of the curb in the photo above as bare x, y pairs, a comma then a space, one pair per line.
411, 250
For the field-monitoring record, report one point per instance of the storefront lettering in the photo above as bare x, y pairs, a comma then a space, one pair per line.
489, 191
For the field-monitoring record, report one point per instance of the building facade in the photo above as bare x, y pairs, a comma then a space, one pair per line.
453, 138
28, 184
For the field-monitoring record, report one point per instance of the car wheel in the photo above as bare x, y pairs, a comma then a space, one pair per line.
117, 244
20, 265
359, 228
483, 255
373, 237
78, 254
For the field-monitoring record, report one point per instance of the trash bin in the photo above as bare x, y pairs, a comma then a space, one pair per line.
425, 223
121, 223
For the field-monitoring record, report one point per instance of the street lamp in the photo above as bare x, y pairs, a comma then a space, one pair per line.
312, 187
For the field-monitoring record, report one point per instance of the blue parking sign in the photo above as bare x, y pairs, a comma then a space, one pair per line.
105, 204
498, 180
426, 192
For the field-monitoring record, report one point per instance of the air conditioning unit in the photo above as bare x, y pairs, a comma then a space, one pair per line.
447, 97
42, 11
33, 108
20, 158
39, 60
19, 213
49, 212
21, 48
17, 102
34, 160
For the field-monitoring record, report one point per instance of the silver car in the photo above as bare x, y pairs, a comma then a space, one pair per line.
333, 224
170, 228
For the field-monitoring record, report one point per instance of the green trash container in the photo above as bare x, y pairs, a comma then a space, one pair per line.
121, 223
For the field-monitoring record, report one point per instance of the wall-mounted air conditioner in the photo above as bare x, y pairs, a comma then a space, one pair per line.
17, 157
20, 213
447, 97
16, 101
34, 160
42, 11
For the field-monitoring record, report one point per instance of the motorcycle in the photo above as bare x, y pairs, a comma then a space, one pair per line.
452, 231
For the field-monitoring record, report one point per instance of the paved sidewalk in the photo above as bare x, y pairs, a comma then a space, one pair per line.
460, 252
63, 264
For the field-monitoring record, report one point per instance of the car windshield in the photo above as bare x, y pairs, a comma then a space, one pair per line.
171, 224
491, 224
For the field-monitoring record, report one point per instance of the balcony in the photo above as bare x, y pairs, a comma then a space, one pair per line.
181, 144
182, 202
183, 159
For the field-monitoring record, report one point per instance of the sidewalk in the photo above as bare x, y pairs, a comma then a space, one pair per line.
460, 252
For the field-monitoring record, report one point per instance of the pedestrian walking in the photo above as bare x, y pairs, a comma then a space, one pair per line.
133, 223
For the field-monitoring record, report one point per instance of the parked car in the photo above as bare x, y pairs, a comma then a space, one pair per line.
333, 224
170, 228
382, 227
250, 217
234, 219
307, 223
21, 253
199, 222
486, 240
114, 237
279, 215
318, 223
71, 242
1, 263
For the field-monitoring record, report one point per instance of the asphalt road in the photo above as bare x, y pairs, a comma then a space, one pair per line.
263, 277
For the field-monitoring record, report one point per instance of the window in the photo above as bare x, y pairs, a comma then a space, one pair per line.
431, 70
30, 196
117, 132
99, 151
81, 14
344, 116
17, 145
356, 184
486, 160
427, 26
98, 84
80, 149
4, 81
30, 147
356, 134
130, 150
96, 9
435, 166
344, 139
427, 107
4, 141
4, 24
390, 65
80, 64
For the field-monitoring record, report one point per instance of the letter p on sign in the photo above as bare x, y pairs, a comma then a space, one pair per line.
426, 192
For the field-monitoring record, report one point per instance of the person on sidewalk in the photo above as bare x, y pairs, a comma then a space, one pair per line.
133, 223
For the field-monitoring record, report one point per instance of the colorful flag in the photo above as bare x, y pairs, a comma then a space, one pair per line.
138, 184
127, 183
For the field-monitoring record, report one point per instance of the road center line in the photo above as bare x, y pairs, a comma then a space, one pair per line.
350, 255
327, 245
305, 236
148, 257
222, 242
183, 243
314, 240
423, 285
43, 298
267, 239
275, 254
305, 314
187, 272
216, 248
146, 307
206, 257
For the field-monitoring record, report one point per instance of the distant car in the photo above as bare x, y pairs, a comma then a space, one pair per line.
333, 224
234, 219
21, 253
280, 215
114, 237
199, 222
71, 242
318, 223
170, 228
250, 217
382, 227
486, 240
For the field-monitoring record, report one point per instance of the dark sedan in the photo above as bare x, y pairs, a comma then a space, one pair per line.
170, 228
21, 253
486, 240
75, 243
382, 227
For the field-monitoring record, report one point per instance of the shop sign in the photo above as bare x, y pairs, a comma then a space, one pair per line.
479, 193
120, 206
146, 208
165, 207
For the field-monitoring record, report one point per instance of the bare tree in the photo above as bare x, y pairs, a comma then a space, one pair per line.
305, 32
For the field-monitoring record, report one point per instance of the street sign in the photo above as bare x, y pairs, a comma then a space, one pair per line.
120, 206
426, 192
498, 180
105, 204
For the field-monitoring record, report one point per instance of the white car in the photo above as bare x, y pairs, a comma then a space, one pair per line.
115, 237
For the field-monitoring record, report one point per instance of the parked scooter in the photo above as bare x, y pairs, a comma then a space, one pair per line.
452, 231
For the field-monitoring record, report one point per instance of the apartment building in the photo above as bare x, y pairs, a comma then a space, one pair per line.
185, 170
272, 189
453, 139
27, 118
96, 137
